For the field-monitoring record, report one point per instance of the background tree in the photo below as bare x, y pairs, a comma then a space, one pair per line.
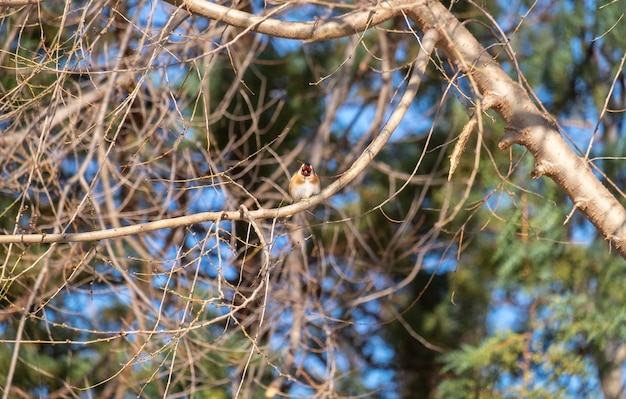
149, 248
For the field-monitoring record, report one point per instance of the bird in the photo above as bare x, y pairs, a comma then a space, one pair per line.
304, 183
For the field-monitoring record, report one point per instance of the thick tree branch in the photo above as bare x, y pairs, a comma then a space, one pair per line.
526, 124
332, 28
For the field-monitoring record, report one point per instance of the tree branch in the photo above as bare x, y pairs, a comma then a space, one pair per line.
332, 28
526, 124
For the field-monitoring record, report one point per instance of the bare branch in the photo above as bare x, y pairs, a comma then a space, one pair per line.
332, 28
527, 125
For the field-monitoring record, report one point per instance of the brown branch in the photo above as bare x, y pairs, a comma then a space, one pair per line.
332, 28
526, 124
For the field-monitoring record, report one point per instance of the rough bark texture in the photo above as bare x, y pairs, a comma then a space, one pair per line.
526, 124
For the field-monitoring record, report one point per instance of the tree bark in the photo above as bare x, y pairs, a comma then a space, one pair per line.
610, 366
527, 125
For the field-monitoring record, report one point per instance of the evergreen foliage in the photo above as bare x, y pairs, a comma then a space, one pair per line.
411, 285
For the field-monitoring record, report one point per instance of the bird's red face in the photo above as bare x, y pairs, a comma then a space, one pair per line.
306, 170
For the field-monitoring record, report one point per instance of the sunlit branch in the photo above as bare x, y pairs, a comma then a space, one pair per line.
332, 28
527, 125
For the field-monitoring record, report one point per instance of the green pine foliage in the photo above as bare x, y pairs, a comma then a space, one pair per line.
514, 295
